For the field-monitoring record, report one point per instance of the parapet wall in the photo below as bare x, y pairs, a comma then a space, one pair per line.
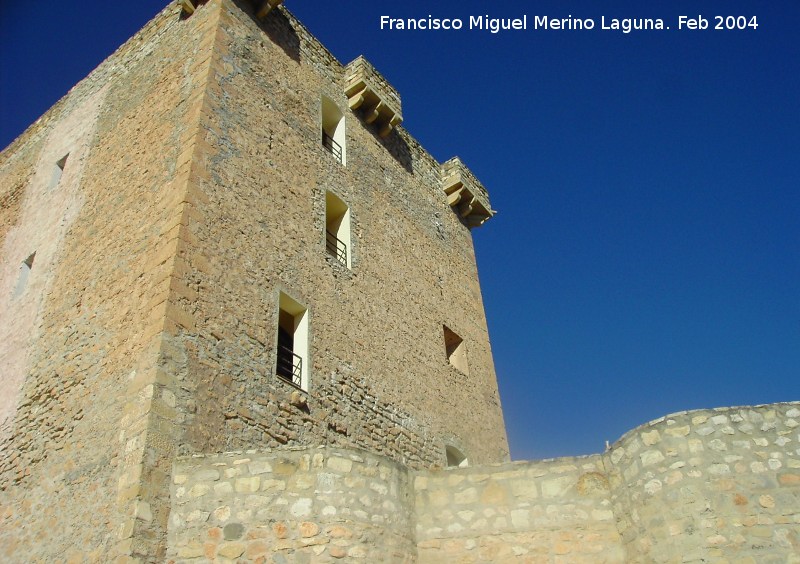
310, 504
710, 485
522, 511
718, 485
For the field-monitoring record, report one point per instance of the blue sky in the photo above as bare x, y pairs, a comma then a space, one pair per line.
644, 259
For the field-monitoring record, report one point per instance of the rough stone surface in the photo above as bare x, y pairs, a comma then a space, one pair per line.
78, 344
139, 299
580, 509
712, 492
193, 193
520, 512
360, 510
377, 328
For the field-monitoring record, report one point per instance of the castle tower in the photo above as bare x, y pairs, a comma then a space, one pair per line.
223, 239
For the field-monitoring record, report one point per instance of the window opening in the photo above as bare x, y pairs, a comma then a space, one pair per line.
58, 170
333, 138
337, 229
292, 353
456, 350
455, 458
24, 273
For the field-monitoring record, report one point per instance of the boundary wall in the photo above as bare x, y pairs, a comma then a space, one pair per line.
719, 485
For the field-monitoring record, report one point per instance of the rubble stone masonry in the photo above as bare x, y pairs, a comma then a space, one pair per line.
192, 195
376, 329
305, 505
80, 340
718, 485
150, 223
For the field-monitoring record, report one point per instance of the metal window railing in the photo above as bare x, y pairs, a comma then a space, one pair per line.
332, 146
336, 247
290, 366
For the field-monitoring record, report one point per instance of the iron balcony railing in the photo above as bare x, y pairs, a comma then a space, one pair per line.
290, 366
336, 248
332, 146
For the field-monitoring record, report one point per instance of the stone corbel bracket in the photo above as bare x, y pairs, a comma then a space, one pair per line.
262, 7
370, 93
465, 194
189, 6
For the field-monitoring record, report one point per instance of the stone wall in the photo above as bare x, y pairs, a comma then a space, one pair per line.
78, 346
296, 505
718, 485
548, 511
710, 486
193, 194
258, 228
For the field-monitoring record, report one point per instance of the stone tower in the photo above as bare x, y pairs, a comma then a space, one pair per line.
240, 321
222, 240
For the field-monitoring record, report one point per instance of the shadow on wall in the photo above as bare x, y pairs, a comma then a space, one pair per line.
397, 147
278, 28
